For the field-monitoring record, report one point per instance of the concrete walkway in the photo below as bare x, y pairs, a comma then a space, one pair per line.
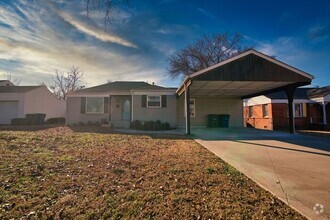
296, 168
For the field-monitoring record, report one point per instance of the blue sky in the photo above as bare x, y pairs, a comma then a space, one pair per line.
38, 37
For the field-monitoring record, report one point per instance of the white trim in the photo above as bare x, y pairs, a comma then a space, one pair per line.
160, 102
104, 94
132, 118
152, 93
184, 114
94, 113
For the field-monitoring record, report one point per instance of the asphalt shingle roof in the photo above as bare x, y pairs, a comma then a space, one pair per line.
300, 93
122, 86
17, 89
319, 92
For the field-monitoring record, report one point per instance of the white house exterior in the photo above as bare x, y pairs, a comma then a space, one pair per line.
17, 101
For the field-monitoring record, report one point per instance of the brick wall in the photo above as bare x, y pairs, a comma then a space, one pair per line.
258, 120
277, 117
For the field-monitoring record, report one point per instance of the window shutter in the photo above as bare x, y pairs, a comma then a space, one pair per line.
106, 105
143, 101
83, 105
164, 101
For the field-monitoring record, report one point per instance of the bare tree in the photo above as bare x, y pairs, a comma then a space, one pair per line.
205, 52
65, 82
13, 80
103, 6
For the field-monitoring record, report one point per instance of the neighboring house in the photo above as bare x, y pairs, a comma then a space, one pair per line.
6, 83
270, 111
321, 110
17, 101
119, 103
218, 89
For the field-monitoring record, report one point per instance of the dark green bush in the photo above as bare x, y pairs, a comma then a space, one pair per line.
22, 121
59, 120
149, 126
136, 124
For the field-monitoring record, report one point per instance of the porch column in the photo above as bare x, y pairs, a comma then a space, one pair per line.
290, 93
324, 113
187, 107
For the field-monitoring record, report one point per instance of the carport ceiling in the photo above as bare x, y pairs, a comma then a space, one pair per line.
247, 74
231, 88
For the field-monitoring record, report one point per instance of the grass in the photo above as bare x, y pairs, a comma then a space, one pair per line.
61, 174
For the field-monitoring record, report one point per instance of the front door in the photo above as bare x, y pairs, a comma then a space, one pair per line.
126, 109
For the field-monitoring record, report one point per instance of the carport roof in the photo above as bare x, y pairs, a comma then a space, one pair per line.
247, 74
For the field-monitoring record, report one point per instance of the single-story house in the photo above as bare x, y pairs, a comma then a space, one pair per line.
6, 83
119, 103
270, 111
17, 101
219, 89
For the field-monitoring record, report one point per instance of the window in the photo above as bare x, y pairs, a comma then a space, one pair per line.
95, 105
265, 110
298, 110
250, 111
154, 101
192, 108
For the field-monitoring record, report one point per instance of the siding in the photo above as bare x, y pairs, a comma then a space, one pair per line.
212, 105
167, 114
41, 100
73, 115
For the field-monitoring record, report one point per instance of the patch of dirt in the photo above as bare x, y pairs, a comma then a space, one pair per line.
62, 174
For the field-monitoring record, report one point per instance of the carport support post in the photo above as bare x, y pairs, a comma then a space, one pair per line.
290, 93
187, 107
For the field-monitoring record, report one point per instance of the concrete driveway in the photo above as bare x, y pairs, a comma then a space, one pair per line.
296, 168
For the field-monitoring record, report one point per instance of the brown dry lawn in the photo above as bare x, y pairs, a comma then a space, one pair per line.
60, 174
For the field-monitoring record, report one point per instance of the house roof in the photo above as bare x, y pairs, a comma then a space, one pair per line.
319, 92
17, 89
248, 74
300, 93
122, 86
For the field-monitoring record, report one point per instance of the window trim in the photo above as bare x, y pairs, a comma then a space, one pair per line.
184, 114
301, 113
160, 101
251, 115
265, 106
94, 113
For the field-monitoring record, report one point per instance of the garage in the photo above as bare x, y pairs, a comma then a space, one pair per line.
8, 111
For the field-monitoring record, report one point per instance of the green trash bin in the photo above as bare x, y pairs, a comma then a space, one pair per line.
213, 121
224, 120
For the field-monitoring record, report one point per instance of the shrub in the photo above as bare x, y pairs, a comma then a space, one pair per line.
149, 126
22, 121
165, 126
136, 125
90, 123
104, 121
59, 120
81, 123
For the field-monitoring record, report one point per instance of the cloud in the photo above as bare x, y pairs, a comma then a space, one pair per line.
35, 40
319, 32
95, 32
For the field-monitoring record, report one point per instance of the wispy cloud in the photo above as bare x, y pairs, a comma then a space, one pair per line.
95, 32
35, 40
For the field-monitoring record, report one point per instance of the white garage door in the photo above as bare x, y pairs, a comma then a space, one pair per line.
8, 111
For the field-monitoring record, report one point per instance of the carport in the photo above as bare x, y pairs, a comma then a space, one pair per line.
245, 75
